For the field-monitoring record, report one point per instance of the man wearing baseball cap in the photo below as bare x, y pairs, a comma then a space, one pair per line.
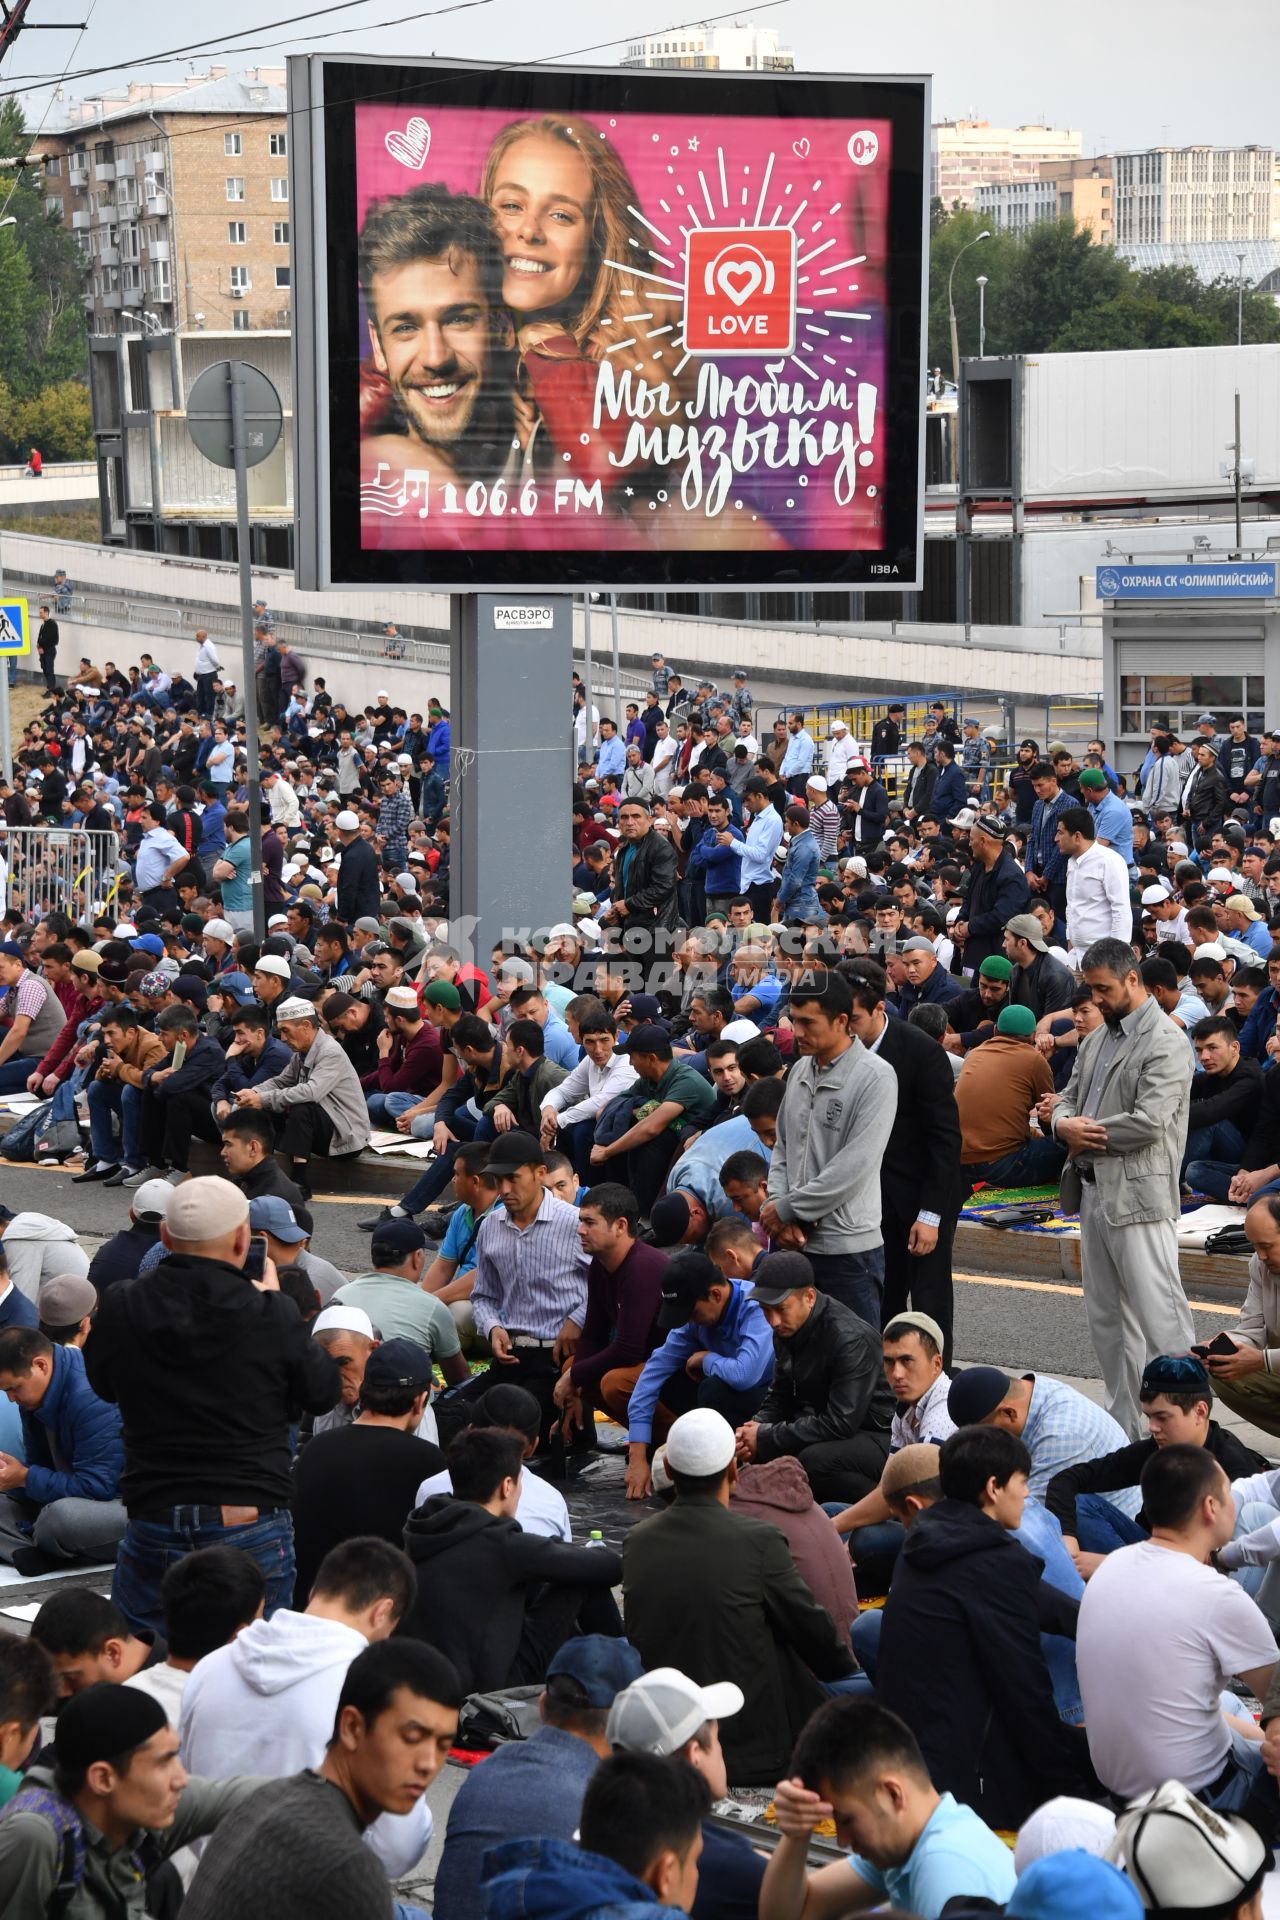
666, 1713
1039, 981
119, 1257
392, 1296
717, 1596
174, 1349
828, 1404
536, 1785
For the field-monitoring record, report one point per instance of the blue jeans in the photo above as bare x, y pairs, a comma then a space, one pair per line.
864, 1637
874, 1551
1214, 1177
1101, 1527
1223, 1142
1041, 1535
15, 1073
1033, 1165
430, 1185
856, 1685
855, 1279
108, 1099
385, 1108
150, 1547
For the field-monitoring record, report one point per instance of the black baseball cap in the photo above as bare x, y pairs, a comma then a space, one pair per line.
651, 1036
687, 1278
398, 1363
777, 1275
396, 1239
514, 1149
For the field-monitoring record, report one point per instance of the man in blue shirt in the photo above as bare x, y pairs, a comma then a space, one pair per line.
612, 757
718, 1354
536, 1786
1111, 816
797, 761
910, 1847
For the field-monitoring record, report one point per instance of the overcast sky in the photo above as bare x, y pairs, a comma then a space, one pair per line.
1127, 73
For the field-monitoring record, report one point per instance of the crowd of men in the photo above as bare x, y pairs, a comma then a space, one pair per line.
692, 1160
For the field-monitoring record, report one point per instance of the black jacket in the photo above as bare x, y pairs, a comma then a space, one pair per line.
359, 891
717, 1595
961, 1663
1234, 1096
989, 905
1046, 986
1263, 1149
476, 1573
1209, 798
209, 1375
351, 1481
649, 886
120, 1257
828, 1382
1117, 1472
921, 782
921, 1165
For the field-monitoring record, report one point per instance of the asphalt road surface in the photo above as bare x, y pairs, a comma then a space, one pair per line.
1025, 1325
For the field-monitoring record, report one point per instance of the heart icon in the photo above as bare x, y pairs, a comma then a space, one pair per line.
411, 146
799, 147
738, 280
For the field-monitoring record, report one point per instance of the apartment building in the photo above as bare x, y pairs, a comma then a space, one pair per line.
1082, 189
968, 154
1193, 195
736, 47
179, 195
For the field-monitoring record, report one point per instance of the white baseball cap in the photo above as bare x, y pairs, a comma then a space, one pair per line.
838, 726
151, 1201
219, 930
700, 1442
661, 1710
337, 1319
347, 822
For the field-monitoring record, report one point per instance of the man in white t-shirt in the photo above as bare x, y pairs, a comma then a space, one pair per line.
542, 1509
1161, 1633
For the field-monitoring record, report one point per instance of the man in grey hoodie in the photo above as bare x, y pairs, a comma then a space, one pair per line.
833, 1126
37, 1248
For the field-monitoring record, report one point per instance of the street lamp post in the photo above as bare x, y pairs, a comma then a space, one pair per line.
951, 305
1240, 300
982, 316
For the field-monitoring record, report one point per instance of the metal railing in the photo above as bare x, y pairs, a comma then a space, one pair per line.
59, 869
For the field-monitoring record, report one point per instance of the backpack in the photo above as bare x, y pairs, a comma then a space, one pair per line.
68, 1831
492, 1719
1229, 1239
19, 1142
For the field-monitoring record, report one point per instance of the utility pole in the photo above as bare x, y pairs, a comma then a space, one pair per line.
1237, 470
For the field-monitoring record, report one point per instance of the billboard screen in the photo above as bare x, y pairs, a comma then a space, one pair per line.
610, 328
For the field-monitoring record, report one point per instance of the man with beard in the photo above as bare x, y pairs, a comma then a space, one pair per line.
438, 397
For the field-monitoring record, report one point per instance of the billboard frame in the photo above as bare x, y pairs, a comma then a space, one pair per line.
324, 92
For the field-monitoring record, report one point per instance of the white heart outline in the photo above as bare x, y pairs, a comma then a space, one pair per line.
800, 148
737, 269
409, 145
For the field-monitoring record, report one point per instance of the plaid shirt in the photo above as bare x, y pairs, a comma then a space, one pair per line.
1064, 1429
394, 816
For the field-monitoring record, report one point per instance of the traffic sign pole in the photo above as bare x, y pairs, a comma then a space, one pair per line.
235, 418
6, 744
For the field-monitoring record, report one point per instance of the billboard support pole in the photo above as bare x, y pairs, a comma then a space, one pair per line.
512, 661
589, 738
257, 898
617, 675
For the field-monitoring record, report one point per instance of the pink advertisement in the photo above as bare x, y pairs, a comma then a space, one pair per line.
644, 316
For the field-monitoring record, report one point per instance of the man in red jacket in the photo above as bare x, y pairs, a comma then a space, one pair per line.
411, 1065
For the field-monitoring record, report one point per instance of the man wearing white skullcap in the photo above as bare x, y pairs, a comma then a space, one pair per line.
318, 1101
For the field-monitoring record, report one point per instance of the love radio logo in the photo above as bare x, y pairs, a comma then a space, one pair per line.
740, 290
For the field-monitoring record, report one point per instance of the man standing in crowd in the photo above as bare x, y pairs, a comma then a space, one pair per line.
1123, 1119
175, 1349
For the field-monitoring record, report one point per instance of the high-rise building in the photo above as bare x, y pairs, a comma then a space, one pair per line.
179, 195
738, 47
1080, 188
1189, 195
968, 154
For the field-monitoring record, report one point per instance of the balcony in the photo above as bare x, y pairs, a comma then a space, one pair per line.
157, 205
104, 172
104, 212
158, 250
78, 175
109, 257
80, 220
153, 163
111, 301
132, 296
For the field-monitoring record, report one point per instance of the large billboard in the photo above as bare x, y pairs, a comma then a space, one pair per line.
558, 328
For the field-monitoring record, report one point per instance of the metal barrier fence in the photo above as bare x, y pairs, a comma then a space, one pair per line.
58, 869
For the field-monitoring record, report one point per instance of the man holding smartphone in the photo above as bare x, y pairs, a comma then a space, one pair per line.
1245, 1362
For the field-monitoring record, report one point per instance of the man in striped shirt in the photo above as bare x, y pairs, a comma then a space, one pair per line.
529, 1296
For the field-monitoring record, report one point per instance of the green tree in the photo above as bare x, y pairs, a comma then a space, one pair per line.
42, 339
58, 420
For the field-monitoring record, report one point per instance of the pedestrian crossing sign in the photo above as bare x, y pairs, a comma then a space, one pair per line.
15, 628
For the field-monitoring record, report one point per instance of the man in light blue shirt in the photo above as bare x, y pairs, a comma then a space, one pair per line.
559, 1045
1111, 816
612, 757
910, 1846
159, 857
762, 824
797, 761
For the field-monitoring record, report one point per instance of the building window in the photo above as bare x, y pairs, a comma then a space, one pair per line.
240, 321
237, 233
282, 276
233, 145
235, 186
53, 165
280, 233
280, 189
239, 279
278, 145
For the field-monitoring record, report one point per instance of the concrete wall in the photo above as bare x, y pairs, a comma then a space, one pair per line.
70, 483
